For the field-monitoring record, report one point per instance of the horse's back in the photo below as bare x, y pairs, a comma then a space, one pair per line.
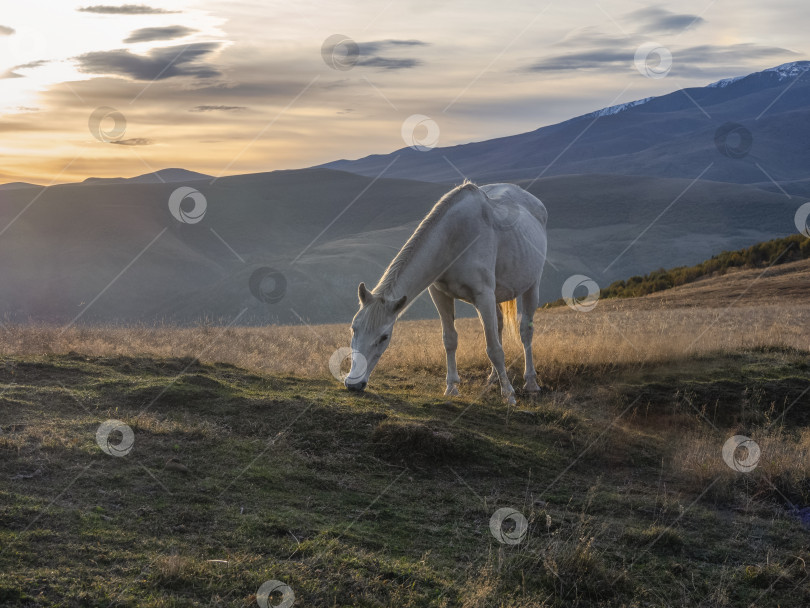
513, 194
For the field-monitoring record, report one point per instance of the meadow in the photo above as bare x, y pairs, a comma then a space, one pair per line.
251, 463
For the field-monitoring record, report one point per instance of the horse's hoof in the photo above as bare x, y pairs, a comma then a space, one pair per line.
452, 391
510, 400
531, 387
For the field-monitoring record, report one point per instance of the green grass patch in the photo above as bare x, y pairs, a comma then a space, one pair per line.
236, 478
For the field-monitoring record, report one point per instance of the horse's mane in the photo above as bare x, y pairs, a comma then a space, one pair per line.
431, 219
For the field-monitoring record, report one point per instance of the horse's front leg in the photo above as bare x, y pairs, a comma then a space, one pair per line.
487, 310
447, 313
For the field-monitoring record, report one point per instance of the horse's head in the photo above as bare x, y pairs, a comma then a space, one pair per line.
371, 334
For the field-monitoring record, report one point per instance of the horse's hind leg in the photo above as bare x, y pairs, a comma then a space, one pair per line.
493, 376
487, 310
447, 313
529, 301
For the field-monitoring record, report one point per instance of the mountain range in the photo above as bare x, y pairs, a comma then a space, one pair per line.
674, 135
658, 182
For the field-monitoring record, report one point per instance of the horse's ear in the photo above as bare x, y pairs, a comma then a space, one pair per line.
400, 304
363, 294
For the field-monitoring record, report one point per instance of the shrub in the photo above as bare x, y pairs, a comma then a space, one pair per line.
777, 251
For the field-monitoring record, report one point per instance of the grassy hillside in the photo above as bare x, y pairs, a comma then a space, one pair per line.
385, 499
250, 463
761, 255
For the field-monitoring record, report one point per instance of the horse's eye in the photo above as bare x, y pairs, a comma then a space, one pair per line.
384, 338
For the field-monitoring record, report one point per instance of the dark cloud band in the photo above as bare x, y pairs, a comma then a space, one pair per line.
149, 34
158, 64
124, 9
371, 54
218, 109
134, 141
688, 62
657, 19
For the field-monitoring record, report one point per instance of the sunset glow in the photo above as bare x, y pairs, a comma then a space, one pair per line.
238, 87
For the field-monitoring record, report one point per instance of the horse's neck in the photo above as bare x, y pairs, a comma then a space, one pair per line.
425, 264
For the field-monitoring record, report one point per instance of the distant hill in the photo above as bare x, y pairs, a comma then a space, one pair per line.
164, 176
71, 243
325, 231
672, 135
17, 186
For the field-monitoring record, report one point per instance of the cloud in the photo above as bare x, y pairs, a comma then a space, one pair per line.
11, 72
656, 19
218, 109
135, 141
386, 63
591, 36
158, 64
711, 53
125, 9
148, 34
370, 54
597, 58
24, 124
6, 31
275, 83
378, 46
31, 64
690, 61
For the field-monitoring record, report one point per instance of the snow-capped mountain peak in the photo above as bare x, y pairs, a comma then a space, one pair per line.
783, 72
722, 84
620, 107
789, 70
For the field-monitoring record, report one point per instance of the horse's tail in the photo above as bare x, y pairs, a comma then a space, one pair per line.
510, 320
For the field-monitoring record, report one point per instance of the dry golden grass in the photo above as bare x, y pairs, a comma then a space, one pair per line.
612, 334
783, 467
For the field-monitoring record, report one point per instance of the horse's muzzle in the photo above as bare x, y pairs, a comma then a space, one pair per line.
356, 386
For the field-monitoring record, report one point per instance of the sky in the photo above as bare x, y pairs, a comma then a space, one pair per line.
105, 89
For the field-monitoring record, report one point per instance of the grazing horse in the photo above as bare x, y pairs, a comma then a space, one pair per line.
484, 245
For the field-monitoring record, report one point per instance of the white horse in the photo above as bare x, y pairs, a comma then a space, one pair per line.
483, 245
